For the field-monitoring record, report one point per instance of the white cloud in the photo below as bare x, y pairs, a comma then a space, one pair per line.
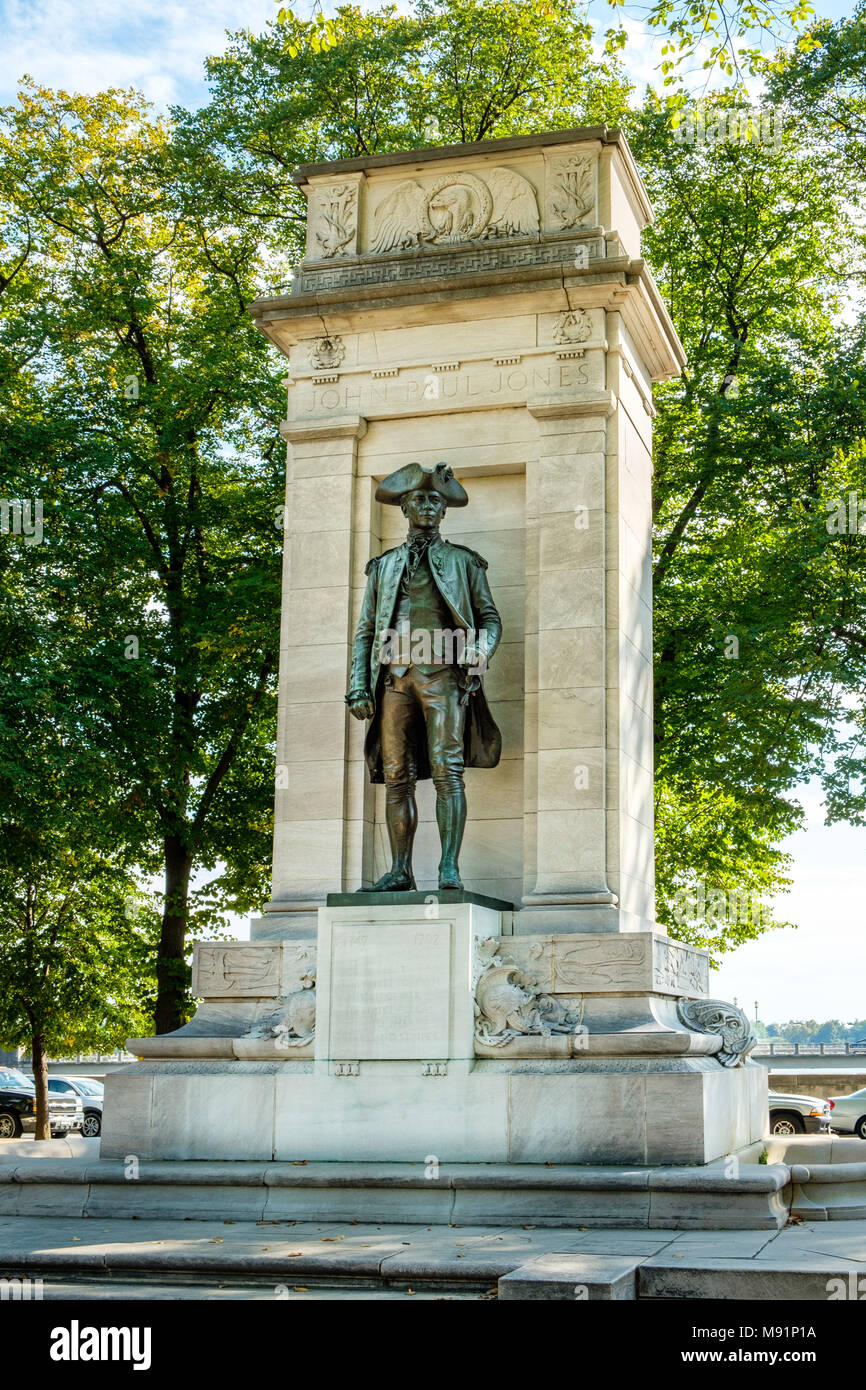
157, 47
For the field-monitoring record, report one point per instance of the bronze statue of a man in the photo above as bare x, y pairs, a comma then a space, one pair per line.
427, 630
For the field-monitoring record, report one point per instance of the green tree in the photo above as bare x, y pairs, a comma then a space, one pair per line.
77, 941
74, 968
450, 71
147, 424
723, 33
799, 1030
824, 81
749, 245
832, 1031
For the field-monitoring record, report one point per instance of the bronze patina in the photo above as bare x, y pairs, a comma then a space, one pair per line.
427, 631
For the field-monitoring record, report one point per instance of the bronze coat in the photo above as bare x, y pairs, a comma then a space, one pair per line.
459, 574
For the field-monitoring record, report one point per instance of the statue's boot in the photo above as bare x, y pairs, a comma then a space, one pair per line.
401, 818
451, 820
393, 882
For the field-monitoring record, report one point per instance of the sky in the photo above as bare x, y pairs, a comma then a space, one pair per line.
159, 46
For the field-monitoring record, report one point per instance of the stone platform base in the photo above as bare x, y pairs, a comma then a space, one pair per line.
740, 1194
418, 1032
656, 1111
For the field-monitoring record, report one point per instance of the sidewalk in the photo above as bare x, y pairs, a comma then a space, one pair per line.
284, 1259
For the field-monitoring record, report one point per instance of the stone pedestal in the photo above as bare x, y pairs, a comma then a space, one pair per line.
418, 1031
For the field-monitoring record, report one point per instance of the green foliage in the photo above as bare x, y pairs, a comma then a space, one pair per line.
716, 31
147, 424
450, 71
77, 940
810, 1031
75, 967
751, 593
823, 79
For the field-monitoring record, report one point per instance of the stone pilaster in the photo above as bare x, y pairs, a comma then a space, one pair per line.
565, 863
313, 835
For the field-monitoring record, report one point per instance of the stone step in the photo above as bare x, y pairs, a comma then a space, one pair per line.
42, 1258
84, 1289
809, 1278
553, 1277
750, 1196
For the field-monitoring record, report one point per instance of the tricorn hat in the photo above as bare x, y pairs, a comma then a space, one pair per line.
413, 476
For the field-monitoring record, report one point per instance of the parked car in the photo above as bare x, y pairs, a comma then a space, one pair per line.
849, 1113
18, 1107
791, 1114
91, 1094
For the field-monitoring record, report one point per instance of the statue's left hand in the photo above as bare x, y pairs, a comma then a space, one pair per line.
362, 708
470, 684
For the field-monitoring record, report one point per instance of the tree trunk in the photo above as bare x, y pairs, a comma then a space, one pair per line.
40, 1081
171, 969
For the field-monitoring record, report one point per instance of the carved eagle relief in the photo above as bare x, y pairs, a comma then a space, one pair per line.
459, 207
515, 206
401, 219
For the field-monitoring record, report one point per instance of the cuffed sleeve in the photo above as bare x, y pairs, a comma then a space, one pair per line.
359, 680
484, 610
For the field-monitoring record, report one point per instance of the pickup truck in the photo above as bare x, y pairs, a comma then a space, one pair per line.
18, 1108
796, 1114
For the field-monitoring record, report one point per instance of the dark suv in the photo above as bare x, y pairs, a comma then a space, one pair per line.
18, 1107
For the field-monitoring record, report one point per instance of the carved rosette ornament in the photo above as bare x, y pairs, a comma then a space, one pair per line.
717, 1016
292, 1023
573, 326
327, 353
510, 1003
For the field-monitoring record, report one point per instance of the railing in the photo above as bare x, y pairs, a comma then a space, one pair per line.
831, 1049
83, 1058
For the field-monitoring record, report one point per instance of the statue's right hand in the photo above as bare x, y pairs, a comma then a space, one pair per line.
362, 707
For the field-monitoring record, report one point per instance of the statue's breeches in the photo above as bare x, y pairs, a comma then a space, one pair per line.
423, 705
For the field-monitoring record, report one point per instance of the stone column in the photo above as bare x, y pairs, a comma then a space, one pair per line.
565, 855
630, 836
311, 828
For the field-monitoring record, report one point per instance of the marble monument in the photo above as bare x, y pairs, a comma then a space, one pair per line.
485, 308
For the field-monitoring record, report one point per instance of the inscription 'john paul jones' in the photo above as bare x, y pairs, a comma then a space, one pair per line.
435, 387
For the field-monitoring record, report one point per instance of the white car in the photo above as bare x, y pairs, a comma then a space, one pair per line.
849, 1113
89, 1092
